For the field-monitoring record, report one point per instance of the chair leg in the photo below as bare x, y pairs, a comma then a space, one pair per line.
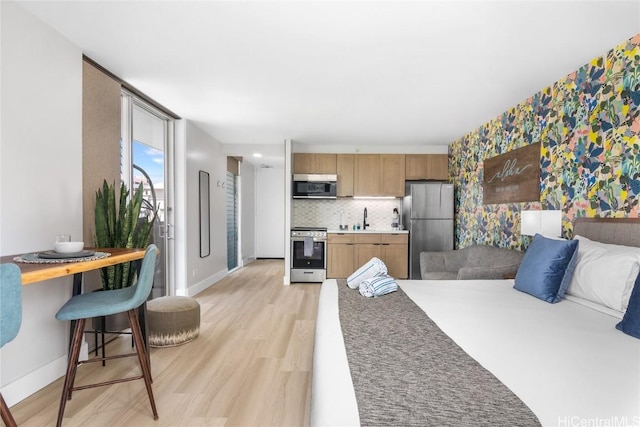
76, 364
95, 339
72, 367
104, 351
141, 350
5, 413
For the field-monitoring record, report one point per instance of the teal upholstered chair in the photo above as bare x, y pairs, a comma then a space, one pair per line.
10, 318
104, 303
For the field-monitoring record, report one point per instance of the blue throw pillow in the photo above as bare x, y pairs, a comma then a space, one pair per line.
630, 323
547, 267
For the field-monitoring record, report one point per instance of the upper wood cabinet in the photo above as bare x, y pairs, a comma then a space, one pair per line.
392, 172
314, 163
379, 175
427, 166
366, 179
345, 167
326, 163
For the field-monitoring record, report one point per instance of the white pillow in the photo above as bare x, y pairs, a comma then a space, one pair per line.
605, 273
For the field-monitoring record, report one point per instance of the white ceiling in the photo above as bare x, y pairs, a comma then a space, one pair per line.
360, 73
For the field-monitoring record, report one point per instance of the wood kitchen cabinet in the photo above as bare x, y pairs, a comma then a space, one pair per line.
391, 248
427, 166
348, 251
340, 255
344, 167
314, 163
367, 247
366, 177
395, 254
392, 172
379, 175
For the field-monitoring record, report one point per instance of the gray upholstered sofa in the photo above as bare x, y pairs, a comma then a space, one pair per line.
474, 262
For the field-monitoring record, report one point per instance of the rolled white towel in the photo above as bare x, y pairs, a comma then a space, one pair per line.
378, 286
374, 267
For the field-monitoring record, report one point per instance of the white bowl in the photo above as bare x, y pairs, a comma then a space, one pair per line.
68, 247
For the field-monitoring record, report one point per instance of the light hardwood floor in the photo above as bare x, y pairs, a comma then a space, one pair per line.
250, 366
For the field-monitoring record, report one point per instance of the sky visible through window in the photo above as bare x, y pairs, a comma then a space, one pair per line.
151, 160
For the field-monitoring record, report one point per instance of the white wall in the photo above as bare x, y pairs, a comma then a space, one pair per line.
40, 184
247, 212
270, 213
202, 153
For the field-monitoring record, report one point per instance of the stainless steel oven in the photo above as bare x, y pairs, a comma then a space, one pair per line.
308, 254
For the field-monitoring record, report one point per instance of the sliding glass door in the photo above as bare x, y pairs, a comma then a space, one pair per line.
147, 147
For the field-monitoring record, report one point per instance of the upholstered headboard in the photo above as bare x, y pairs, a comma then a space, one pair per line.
619, 231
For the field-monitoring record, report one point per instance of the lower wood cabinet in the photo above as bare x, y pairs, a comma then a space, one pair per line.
340, 255
348, 251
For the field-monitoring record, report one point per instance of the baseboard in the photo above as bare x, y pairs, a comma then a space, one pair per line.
204, 284
33, 382
247, 260
25, 386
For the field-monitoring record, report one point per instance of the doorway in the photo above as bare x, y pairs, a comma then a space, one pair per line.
147, 147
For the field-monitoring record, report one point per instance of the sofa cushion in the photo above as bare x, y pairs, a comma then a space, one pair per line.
440, 275
473, 262
488, 273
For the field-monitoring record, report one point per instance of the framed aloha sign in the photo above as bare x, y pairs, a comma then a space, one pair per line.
513, 176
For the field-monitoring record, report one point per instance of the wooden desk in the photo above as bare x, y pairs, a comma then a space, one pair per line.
32, 273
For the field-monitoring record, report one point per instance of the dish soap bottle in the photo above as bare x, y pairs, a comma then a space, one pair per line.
395, 219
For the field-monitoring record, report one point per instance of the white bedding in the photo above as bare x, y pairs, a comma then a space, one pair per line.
566, 361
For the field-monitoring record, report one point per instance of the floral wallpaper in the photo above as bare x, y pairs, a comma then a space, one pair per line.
589, 127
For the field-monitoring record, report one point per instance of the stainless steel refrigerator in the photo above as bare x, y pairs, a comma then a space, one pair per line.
427, 212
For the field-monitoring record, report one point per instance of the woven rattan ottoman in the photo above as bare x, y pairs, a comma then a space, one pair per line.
172, 321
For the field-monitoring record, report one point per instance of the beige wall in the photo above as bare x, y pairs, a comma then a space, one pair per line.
100, 139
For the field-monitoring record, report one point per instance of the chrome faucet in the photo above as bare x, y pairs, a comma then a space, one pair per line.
364, 222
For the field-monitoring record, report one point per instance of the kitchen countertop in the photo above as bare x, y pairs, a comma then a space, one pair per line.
369, 231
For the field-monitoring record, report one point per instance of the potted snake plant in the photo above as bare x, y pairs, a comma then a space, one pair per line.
126, 224
122, 225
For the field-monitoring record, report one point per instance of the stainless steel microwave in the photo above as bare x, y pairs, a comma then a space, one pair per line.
314, 186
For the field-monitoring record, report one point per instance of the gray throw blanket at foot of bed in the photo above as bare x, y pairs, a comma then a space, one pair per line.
407, 372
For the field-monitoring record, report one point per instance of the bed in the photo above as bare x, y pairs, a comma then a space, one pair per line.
565, 364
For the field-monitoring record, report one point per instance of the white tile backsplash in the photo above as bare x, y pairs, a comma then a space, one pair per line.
328, 212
